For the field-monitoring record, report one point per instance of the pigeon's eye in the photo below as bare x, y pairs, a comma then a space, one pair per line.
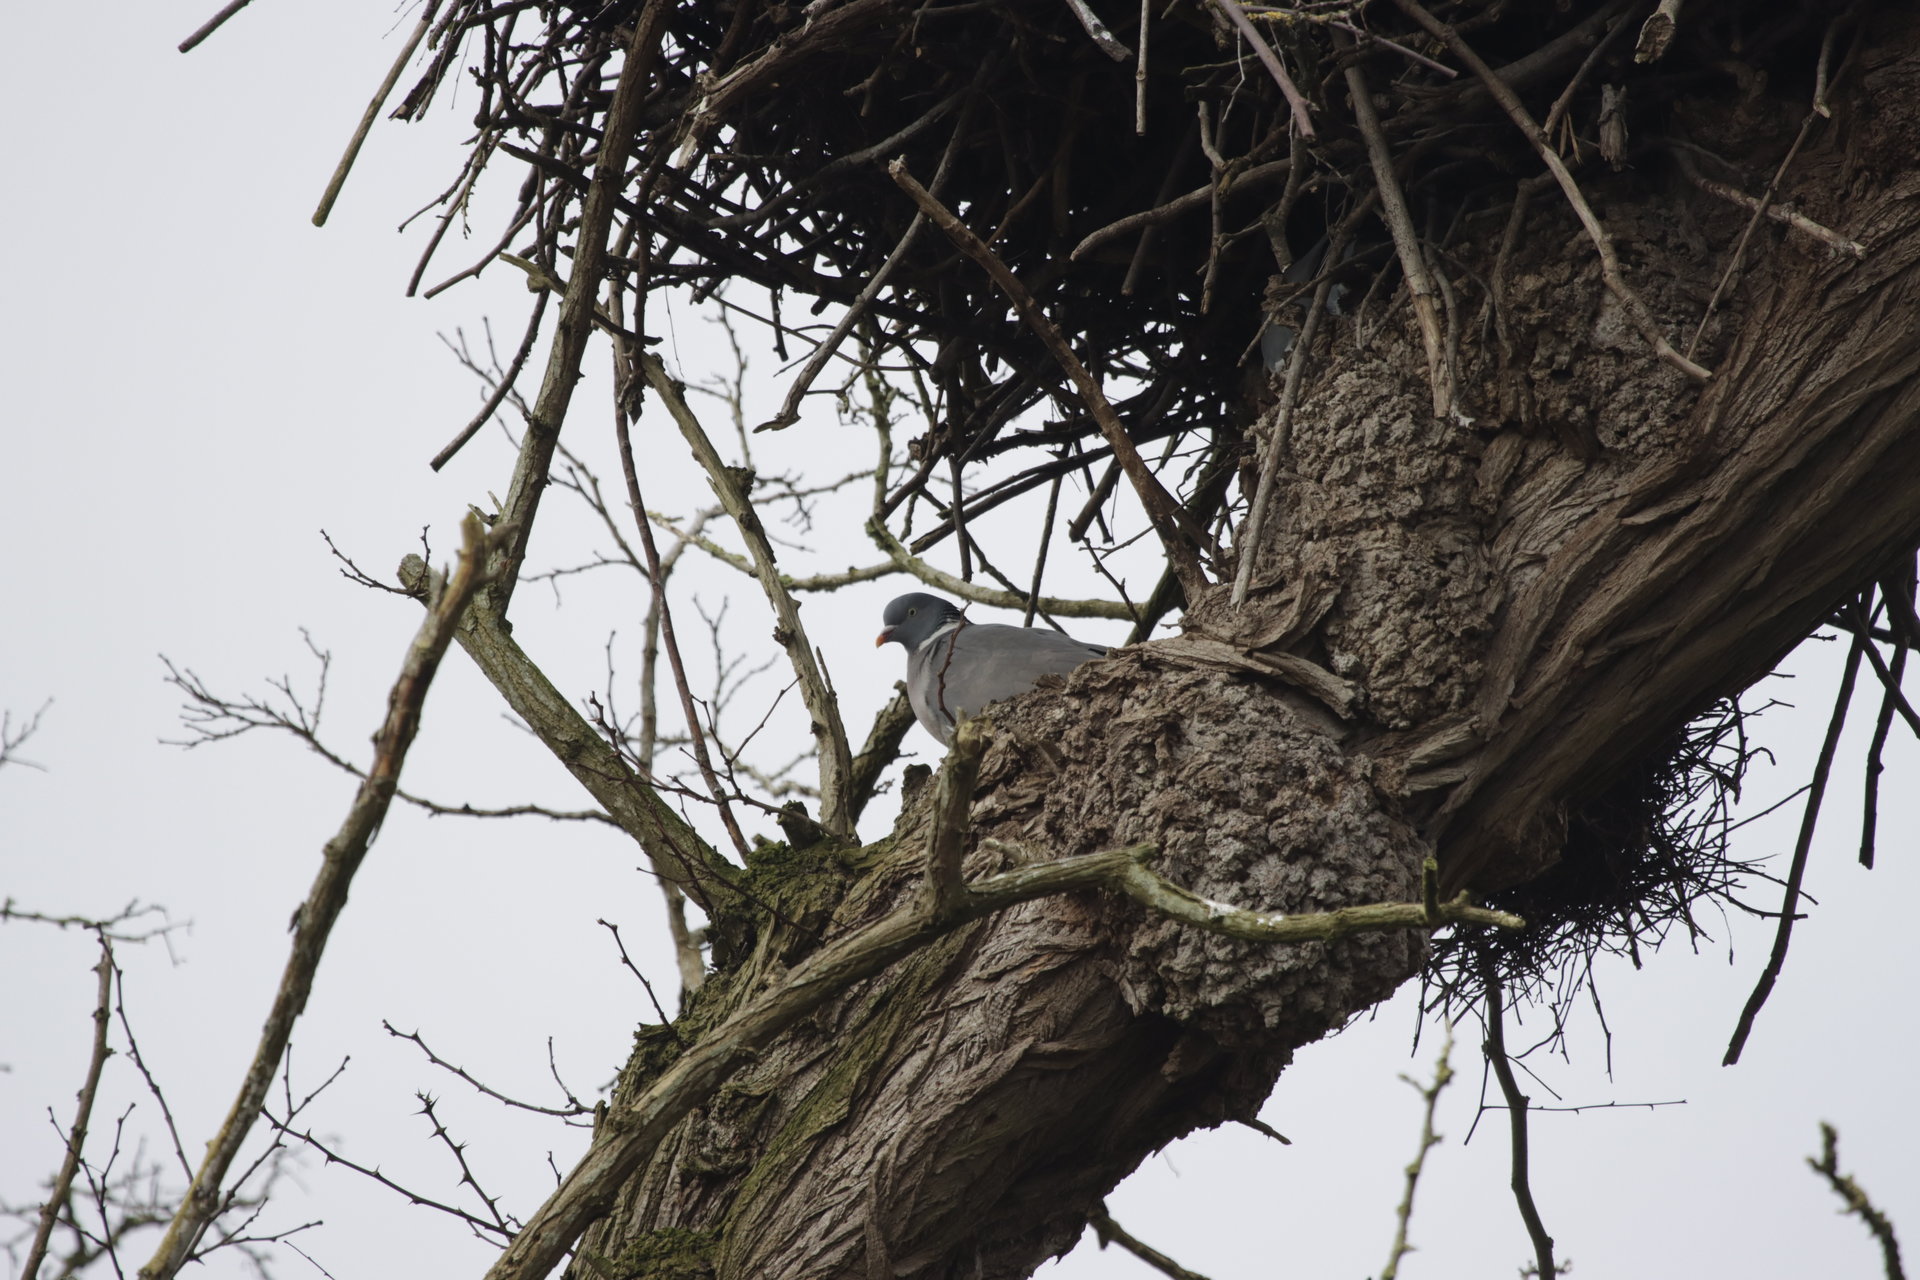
911, 612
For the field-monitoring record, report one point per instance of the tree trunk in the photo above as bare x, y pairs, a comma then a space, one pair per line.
1525, 598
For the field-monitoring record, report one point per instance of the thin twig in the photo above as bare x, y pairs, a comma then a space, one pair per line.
1828, 1167
1789, 907
1496, 1051
696, 735
212, 25
62, 1188
1403, 1214
1110, 1232
501, 388
1090, 22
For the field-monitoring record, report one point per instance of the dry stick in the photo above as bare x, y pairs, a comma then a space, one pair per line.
1496, 1051
77, 1134
633, 1130
1656, 33
974, 593
1406, 242
836, 759
790, 407
1863, 626
501, 390
1139, 72
371, 114
314, 921
1789, 905
577, 306
1233, 13
1739, 253
658, 579
1112, 1232
1171, 209
1870, 811
1040, 557
1097, 29
1828, 1167
212, 25
1403, 1214
1168, 520
1602, 242
1779, 213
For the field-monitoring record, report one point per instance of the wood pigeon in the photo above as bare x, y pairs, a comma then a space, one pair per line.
956, 667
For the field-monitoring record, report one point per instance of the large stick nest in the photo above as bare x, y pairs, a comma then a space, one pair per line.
1157, 244
1162, 204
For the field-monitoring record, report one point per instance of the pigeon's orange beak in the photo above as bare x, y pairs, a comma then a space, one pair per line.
883, 637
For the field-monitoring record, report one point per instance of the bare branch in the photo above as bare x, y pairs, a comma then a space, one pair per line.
578, 306
974, 593
1496, 1051
1109, 1231
1790, 906
1828, 1167
314, 921
368, 116
676, 851
76, 1133
836, 760
11, 739
1430, 1094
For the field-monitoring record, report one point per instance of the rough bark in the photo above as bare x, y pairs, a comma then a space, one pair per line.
1522, 599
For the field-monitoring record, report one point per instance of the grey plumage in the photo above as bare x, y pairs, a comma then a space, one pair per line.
956, 667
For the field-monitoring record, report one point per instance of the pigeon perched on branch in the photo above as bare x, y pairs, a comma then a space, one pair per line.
956, 667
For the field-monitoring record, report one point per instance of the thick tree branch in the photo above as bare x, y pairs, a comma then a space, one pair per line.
633, 1130
675, 850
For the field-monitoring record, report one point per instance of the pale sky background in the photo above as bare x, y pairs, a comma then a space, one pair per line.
199, 381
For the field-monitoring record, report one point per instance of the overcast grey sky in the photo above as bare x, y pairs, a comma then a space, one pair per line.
199, 381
